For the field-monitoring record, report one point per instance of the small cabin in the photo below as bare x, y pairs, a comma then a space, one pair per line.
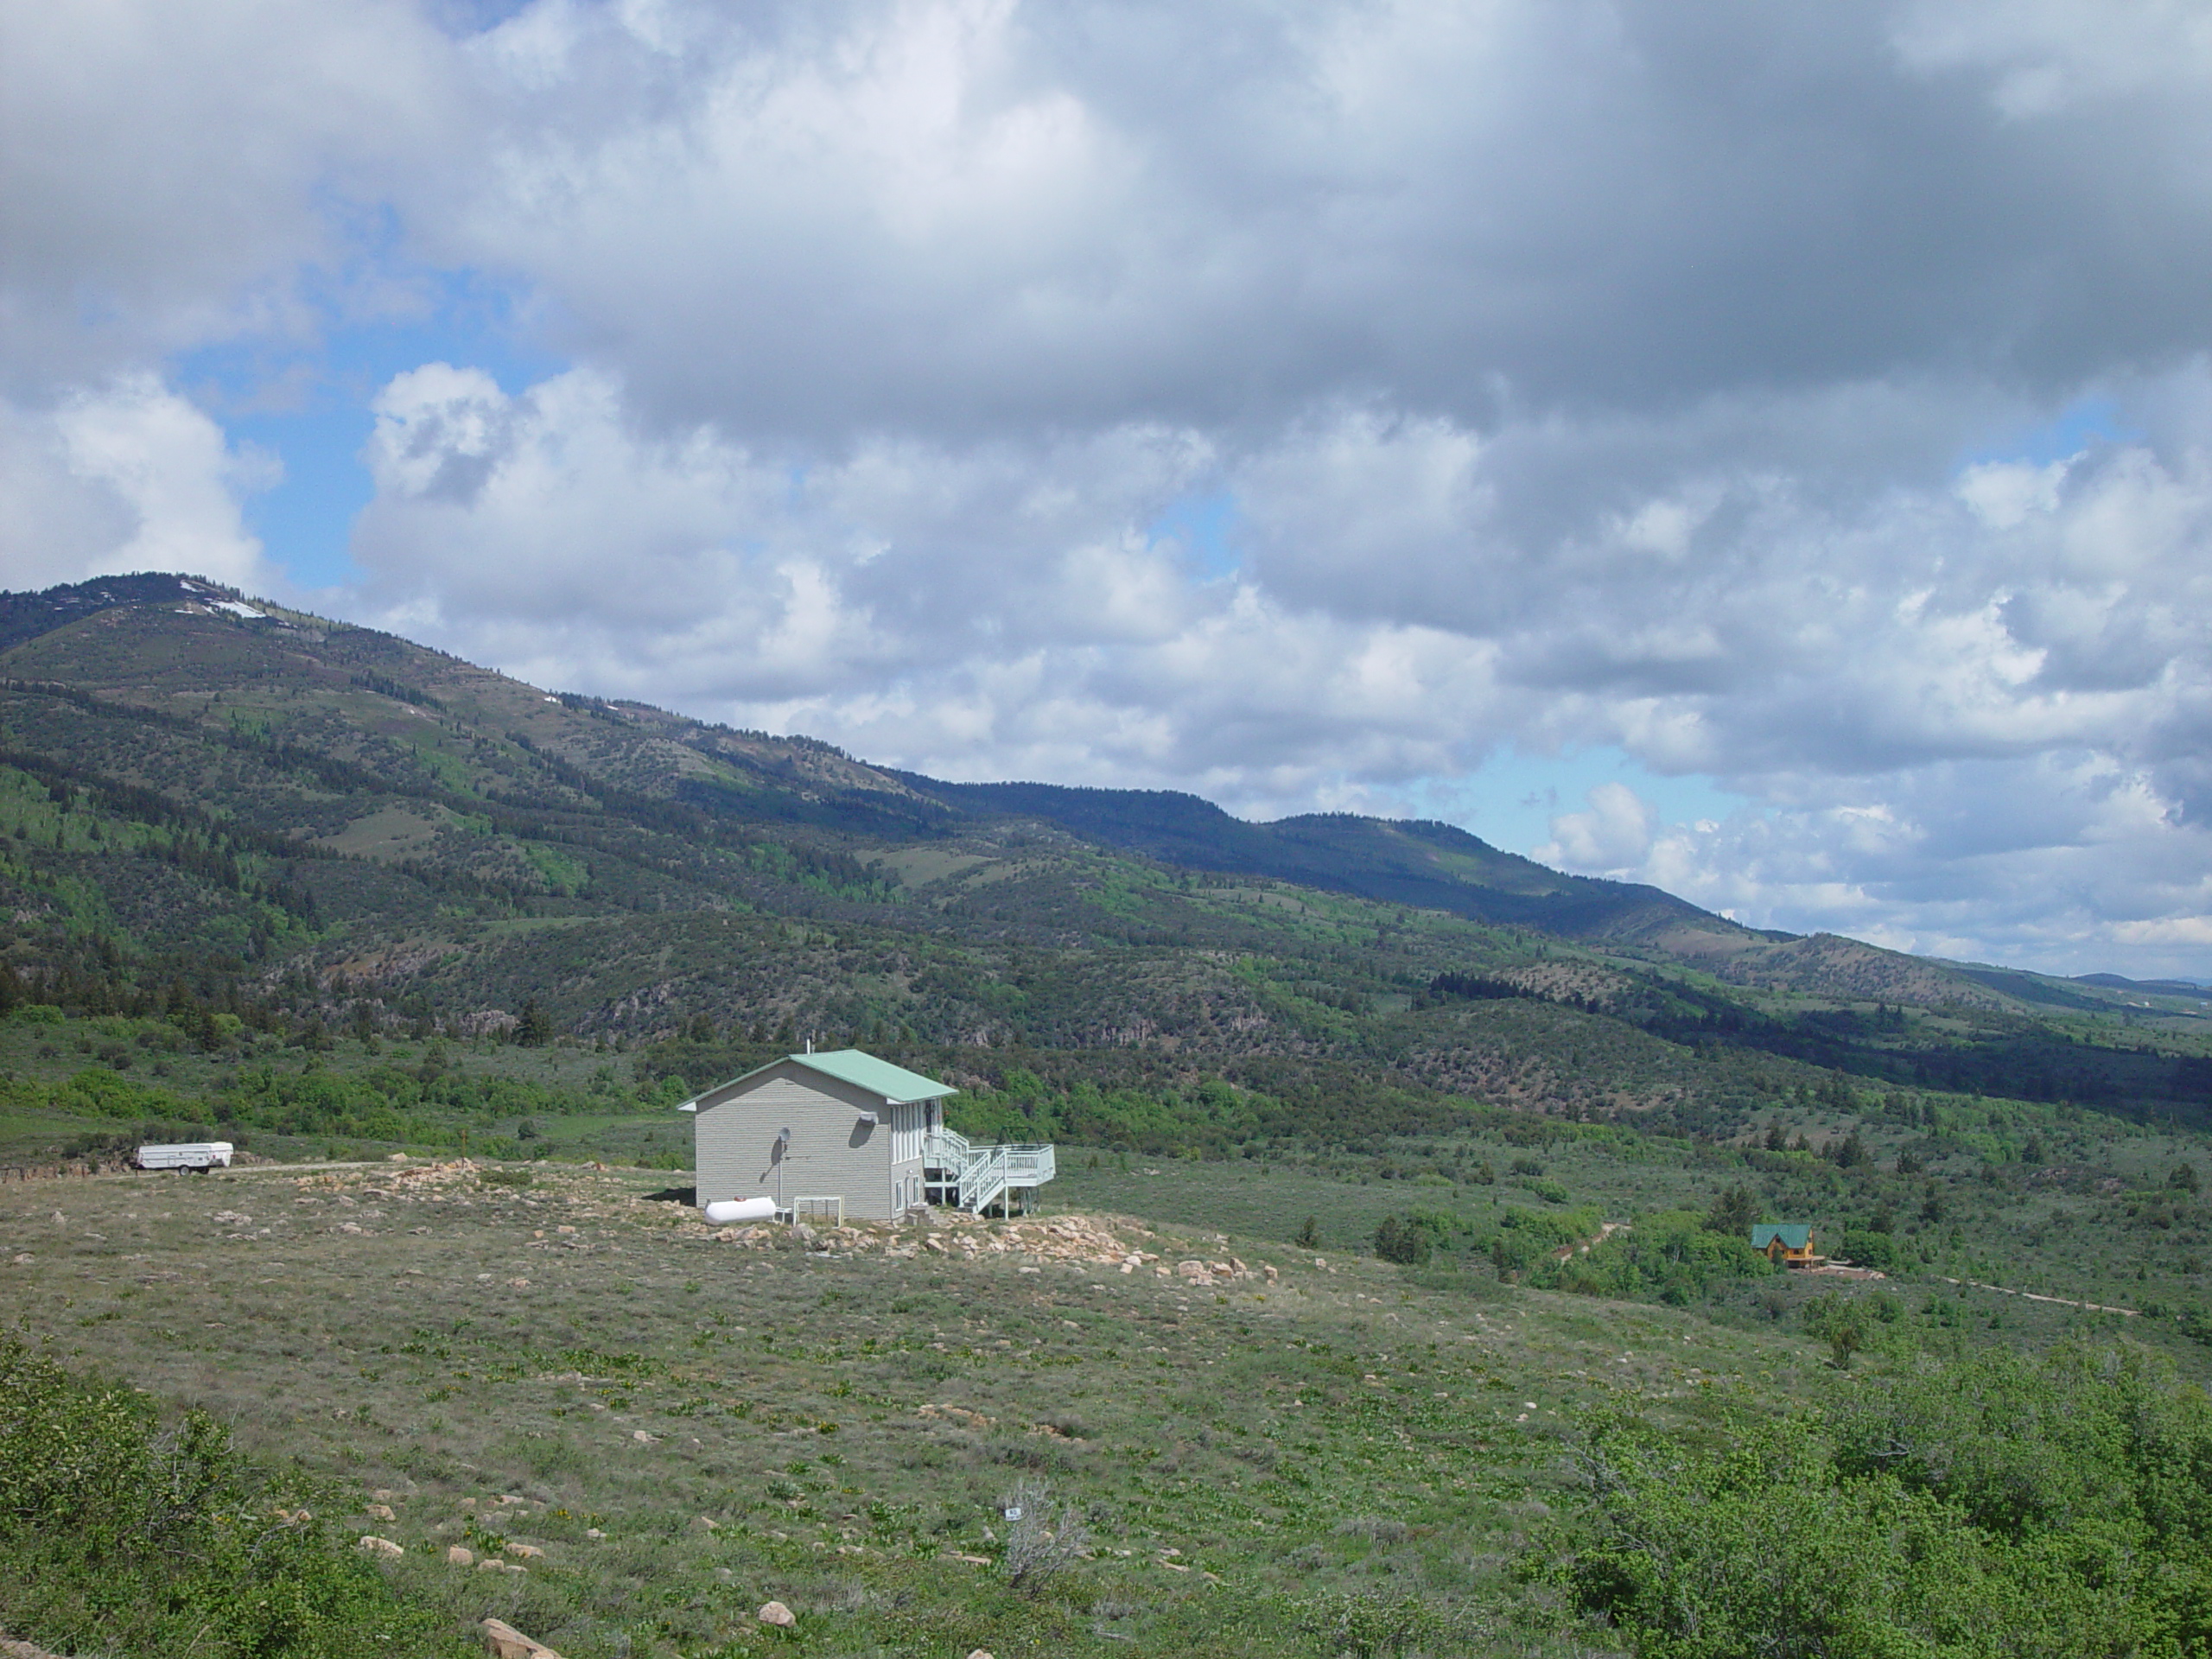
843, 1134
1785, 1243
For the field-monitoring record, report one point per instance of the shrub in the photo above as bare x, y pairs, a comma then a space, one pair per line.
1732, 1211
1366, 1627
1404, 1241
1673, 1254
120, 1535
1038, 1542
1998, 1506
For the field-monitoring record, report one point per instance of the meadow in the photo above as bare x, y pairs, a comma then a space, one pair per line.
1342, 1456
1311, 1450
690, 1427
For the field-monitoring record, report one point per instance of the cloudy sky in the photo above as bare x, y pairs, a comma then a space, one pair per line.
1764, 450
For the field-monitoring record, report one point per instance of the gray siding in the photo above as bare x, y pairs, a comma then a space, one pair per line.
832, 1153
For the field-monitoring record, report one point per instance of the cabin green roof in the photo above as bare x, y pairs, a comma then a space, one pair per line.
1794, 1235
862, 1071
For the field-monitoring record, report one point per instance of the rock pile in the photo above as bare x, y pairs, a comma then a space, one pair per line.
1078, 1240
1201, 1275
389, 1183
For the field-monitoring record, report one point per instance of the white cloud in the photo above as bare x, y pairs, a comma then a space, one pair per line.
130, 477
1592, 374
1980, 735
1614, 836
975, 611
171, 174
2005, 494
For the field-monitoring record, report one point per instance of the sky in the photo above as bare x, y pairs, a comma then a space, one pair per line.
1761, 451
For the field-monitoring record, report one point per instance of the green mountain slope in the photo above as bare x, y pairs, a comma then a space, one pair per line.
1434, 866
329, 823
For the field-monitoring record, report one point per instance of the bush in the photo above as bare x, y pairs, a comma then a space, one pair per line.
1405, 1243
1732, 1211
1038, 1542
1994, 1507
1673, 1254
122, 1535
1526, 1239
1368, 1627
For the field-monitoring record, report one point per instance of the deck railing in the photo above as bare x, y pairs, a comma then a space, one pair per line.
981, 1176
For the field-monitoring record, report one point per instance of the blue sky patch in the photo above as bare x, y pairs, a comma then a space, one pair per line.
309, 405
2081, 422
1204, 525
1510, 800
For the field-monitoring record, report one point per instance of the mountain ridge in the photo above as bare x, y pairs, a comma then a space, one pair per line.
259, 807
1409, 861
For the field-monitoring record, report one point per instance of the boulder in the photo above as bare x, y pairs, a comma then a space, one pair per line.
503, 1641
460, 1555
776, 1613
384, 1548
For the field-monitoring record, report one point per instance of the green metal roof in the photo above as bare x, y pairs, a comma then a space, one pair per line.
877, 1076
1794, 1235
894, 1082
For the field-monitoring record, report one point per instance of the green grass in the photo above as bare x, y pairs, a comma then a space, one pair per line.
1349, 1449
1344, 1432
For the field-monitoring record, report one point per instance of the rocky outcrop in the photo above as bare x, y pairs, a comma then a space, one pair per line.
503, 1641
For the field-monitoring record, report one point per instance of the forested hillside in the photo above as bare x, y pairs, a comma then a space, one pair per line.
306, 826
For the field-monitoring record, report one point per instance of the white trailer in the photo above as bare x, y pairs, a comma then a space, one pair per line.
191, 1154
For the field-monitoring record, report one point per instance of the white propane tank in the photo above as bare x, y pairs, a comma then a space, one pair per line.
722, 1212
